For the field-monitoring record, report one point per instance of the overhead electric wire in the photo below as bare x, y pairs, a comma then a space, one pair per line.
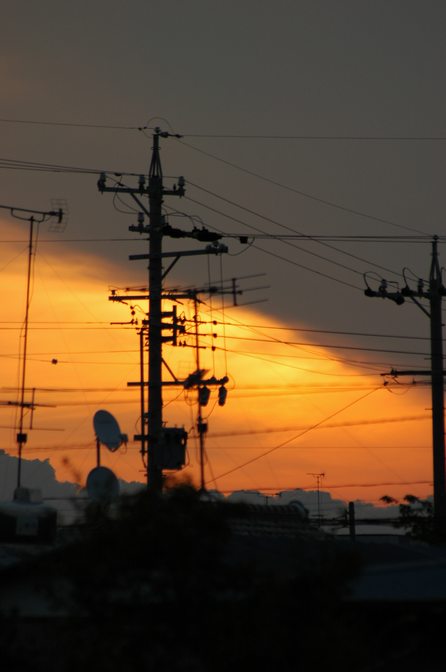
74, 240
347, 238
112, 327
290, 261
347, 138
375, 368
306, 346
300, 192
34, 122
321, 331
331, 425
298, 233
312, 488
337, 374
271, 394
294, 438
329, 346
317, 448
15, 164
235, 136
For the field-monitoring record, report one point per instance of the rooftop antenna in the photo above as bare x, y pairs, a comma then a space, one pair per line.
318, 478
34, 217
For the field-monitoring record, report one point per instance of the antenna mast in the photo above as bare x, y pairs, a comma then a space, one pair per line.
21, 435
35, 217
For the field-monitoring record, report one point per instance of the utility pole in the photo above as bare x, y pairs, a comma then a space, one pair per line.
165, 446
203, 398
434, 295
155, 191
155, 410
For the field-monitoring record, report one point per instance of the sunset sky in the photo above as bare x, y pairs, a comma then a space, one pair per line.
305, 118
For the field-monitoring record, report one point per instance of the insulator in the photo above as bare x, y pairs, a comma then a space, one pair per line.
203, 395
222, 394
101, 182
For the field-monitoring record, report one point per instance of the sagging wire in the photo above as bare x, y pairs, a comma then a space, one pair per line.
298, 436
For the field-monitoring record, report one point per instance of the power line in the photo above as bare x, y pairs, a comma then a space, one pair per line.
66, 124
300, 192
295, 232
328, 425
233, 446
330, 486
254, 329
348, 138
328, 346
15, 164
321, 331
236, 136
371, 369
298, 436
273, 254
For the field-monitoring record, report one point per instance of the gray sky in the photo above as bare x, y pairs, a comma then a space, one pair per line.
246, 68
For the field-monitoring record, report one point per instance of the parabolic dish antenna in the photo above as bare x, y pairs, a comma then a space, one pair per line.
102, 485
107, 430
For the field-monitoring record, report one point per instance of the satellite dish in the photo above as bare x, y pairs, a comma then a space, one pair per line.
107, 430
102, 485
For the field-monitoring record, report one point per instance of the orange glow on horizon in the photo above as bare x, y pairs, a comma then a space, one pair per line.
300, 406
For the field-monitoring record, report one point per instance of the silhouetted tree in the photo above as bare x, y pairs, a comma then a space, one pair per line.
164, 584
416, 517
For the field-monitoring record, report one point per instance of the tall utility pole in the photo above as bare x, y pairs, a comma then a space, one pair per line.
155, 192
434, 295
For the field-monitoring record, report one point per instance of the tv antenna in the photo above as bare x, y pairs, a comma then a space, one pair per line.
318, 478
